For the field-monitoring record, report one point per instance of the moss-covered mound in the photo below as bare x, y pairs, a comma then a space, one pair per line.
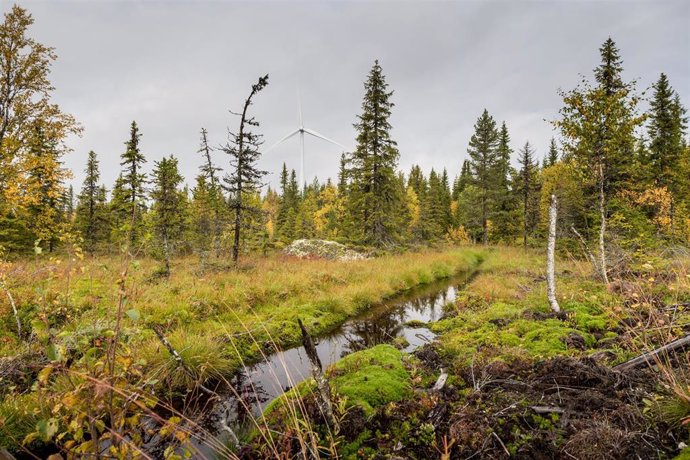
367, 379
372, 378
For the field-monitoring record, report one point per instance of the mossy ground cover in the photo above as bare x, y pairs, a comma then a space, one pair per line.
504, 313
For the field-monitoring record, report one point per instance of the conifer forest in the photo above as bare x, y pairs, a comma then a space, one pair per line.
488, 275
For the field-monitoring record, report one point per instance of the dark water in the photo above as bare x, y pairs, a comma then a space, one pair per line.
383, 323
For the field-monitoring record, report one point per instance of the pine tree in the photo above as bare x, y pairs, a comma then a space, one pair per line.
245, 177
87, 212
134, 181
373, 196
168, 205
484, 164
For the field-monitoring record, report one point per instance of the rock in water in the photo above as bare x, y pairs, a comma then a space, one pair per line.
322, 249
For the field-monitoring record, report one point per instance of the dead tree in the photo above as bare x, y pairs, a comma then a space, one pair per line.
243, 148
323, 390
550, 256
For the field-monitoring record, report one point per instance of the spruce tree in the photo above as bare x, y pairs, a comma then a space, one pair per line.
463, 180
214, 192
417, 181
666, 131
374, 196
202, 217
433, 212
526, 186
485, 166
168, 205
551, 157
87, 209
342, 175
505, 203
245, 177
68, 199
134, 181
446, 200
598, 125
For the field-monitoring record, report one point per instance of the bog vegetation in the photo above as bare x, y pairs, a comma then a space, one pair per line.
128, 308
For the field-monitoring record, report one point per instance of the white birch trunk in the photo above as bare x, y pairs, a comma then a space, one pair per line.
602, 228
550, 256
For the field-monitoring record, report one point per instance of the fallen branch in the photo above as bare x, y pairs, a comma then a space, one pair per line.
323, 389
501, 443
649, 357
676, 306
547, 410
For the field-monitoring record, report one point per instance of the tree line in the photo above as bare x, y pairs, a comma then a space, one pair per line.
622, 177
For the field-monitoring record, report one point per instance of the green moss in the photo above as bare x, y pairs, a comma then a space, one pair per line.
683, 455
492, 321
372, 378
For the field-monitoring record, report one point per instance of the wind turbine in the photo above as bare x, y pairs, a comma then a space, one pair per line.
301, 130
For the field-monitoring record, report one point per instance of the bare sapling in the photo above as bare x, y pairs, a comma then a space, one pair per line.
550, 256
14, 307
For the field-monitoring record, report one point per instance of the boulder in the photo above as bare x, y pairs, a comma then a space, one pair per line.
322, 249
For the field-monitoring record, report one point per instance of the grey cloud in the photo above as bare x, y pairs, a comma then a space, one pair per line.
177, 66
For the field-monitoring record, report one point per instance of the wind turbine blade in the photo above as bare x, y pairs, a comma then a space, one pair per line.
321, 136
282, 140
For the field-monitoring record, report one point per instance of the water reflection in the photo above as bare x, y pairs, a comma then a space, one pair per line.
263, 382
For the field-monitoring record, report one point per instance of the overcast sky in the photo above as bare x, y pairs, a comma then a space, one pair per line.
177, 66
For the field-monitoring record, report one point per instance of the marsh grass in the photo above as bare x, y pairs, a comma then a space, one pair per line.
219, 322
